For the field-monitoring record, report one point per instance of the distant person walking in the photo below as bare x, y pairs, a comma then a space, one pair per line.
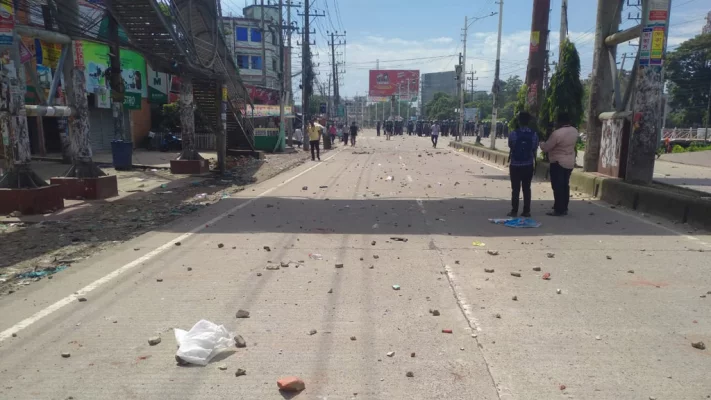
332, 132
523, 143
354, 133
377, 127
314, 131
560, 147
346, 130
435, 134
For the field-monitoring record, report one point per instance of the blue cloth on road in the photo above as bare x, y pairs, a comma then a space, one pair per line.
516, 222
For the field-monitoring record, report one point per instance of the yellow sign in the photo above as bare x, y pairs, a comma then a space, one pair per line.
535, 41
50, 54
224, 93
657, 43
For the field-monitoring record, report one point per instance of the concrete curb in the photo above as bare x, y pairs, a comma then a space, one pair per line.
692, 208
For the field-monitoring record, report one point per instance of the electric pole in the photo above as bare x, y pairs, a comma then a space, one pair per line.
462, 82
334, 65
117, 86
287, 76
537, 55
563, 28
495, 89
471, 79
306, 66
264, 46
601, 89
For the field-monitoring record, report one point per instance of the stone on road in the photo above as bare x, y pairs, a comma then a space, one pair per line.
640, 318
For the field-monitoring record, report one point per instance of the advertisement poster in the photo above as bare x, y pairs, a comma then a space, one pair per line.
157, 86
174, 94
7, 24
263, 95
535, 41
265, 110
133, 72
48, 53
386, 83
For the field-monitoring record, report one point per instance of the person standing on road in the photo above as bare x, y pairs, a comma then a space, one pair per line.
377, 126
435, 134
523, 143
560, 147
332, 133
354, 133
314, 132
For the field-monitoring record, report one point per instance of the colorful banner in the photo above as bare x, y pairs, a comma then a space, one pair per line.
387, 83
265, 110
7, 24
157, 86
535, 41
260, 95
133, 72
48, 53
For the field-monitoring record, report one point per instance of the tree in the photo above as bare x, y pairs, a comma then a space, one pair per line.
520, 105
441, 107
510, 89
565, 93
689, 72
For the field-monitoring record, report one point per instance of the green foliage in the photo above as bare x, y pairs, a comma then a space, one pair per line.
678, 149
170, 117
689, 73
441, 107
693, 147
565, 93
520, 105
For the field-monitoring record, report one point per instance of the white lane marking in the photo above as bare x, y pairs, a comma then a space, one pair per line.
409, 178
462, 300
629, 213
7, 333
422, 206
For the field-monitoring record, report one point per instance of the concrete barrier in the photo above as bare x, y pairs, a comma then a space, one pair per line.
680, 205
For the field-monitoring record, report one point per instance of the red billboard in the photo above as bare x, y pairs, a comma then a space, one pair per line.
386, 83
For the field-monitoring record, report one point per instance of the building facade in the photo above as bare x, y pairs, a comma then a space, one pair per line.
255, 41
438, 82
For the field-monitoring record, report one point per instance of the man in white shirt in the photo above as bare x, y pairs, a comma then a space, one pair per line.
560, 147
435, 134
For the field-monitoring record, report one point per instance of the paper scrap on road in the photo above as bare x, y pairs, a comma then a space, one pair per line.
202, 342
478, 244
516, 222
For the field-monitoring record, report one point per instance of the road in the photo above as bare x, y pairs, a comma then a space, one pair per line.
631, 296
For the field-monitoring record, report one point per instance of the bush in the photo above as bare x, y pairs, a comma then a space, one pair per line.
678, 149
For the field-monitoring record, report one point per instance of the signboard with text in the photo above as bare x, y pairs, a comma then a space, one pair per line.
654, 34
386, 83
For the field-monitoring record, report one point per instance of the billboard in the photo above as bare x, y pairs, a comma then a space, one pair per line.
387, 83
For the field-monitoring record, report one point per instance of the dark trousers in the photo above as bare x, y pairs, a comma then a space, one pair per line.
560, 181
378, 131
345, 138
521, 177
315, 148
434, 140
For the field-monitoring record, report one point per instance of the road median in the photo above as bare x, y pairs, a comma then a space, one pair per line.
677, 204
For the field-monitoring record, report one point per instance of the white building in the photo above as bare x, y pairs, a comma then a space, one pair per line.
256, 44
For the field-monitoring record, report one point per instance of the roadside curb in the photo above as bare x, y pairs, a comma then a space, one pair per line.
692, 208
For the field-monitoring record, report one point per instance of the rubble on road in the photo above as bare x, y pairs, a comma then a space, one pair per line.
409, 374
242, 314
154, 340
240, 372
291, 384
516, 274
435, 313
240, 342
489, 270
698, 345
66, 355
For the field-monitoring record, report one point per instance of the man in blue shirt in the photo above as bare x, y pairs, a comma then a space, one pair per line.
523, 143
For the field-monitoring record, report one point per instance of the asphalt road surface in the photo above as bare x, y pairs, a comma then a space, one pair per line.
633, 294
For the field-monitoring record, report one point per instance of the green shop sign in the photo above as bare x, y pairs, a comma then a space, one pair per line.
133, 72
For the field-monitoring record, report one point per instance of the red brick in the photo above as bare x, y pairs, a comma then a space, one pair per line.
291, 384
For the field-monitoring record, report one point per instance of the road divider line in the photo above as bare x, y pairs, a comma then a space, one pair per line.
462, 300
7, 333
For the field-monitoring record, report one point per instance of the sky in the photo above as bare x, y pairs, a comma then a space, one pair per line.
428, 35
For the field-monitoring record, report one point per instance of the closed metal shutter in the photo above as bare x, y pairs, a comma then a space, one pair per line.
101, 128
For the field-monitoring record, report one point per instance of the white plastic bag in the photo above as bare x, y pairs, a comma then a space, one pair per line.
202, 342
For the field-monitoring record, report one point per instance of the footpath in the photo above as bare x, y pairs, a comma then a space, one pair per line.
677, 203
35, 246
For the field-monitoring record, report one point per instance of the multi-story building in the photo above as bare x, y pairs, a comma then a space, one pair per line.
355, 108
438, 82
255, 40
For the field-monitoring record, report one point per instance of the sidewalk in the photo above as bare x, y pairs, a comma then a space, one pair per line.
141, 157
668, 170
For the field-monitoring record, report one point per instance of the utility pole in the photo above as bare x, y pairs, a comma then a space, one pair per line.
708, 117
648, 92
471, 79
117, 85
264, 45
495, 89
462, 80
601, 89
537, 55
334, 65
563, 28
306, 67
281, 141
289, 95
